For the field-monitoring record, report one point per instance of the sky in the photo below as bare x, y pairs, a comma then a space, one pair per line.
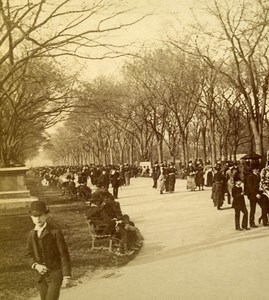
166, 17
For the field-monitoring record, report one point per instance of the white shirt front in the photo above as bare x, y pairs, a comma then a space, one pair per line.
39, 229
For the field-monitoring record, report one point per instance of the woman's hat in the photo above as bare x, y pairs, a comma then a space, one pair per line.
38, 208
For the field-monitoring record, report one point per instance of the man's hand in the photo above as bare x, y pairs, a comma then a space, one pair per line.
66, 282
42, 269
258, 196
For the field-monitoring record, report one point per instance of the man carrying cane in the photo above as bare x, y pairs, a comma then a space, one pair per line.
47, 253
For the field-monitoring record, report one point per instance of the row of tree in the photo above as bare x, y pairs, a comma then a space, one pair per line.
205, 95
167, 102
35, 37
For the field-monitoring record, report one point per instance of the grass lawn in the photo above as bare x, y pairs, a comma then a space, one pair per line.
17, 280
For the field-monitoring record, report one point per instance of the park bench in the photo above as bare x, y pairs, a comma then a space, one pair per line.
99, 239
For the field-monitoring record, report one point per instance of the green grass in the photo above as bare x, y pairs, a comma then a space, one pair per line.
17, 280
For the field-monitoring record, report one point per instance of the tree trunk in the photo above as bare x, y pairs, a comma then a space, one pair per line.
160, 148
213, 141
257, 137
203, 131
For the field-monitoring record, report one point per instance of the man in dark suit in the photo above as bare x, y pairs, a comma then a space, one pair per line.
115, 181
252, 189
155, 174
47, 253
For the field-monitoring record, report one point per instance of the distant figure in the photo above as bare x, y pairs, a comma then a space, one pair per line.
171, 177
239, 205
155, 174
161, 179
254, 194
115, 181
199, 179
218, 187
191, 173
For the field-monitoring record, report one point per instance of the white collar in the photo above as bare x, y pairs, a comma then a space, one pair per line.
40, 229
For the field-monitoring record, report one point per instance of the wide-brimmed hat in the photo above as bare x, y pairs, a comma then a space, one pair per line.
38, 208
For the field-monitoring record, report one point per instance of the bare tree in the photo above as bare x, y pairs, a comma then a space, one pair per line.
241, 39
37, 33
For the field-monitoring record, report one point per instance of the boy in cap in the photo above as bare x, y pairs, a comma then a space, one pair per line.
47, 253
239, 205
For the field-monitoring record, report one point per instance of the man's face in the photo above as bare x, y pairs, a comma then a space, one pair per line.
39, 220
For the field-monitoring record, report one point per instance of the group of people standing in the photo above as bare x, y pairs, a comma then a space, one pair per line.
164, 177
197, 175
253, 183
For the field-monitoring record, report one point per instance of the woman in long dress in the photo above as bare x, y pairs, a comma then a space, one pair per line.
161, 179
191, 173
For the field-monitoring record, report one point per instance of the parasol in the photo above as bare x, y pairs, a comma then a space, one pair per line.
251, 155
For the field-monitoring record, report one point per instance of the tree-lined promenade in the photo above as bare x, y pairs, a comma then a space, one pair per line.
204, 95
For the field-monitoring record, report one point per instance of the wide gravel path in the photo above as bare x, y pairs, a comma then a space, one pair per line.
191, 251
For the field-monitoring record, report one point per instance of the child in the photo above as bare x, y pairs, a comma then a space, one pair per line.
239, 205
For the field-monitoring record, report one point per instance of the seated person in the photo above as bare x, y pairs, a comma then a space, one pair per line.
98, 215
84, 192
132, 232
128, 234
112, 207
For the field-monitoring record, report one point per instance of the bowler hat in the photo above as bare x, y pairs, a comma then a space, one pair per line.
38, 208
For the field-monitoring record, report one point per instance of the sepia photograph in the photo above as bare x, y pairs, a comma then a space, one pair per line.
134, 149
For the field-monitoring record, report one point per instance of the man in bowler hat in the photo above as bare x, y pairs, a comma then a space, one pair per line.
47, 253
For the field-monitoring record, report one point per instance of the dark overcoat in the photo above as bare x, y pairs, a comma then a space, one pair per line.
54, 253
238, 198
252, 185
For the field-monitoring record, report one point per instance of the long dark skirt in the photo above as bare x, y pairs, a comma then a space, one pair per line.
217, 194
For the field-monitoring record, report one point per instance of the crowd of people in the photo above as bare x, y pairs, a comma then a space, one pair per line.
164, 175
104, 213
90, 185
236, 184
75, 180
225, 179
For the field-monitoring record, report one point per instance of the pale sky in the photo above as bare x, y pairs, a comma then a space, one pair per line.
167, 17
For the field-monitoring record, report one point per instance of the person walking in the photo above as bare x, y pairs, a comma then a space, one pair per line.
155, 174
171, 177
264, 186
191, 173
252, 190
218, 187
115, 181
47, 253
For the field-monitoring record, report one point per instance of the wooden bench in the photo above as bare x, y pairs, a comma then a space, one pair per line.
97, 234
